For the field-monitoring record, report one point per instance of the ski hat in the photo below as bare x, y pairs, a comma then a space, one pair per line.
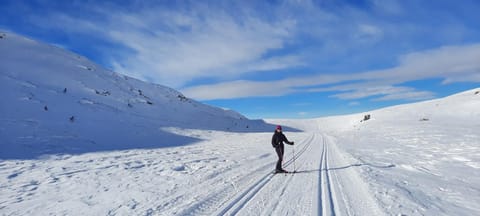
279, 127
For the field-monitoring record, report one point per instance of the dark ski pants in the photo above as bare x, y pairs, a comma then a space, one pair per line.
279, 151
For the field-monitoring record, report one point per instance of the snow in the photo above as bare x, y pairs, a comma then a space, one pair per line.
134, 148
56, 102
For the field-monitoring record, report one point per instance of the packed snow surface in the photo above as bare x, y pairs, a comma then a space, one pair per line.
134, 148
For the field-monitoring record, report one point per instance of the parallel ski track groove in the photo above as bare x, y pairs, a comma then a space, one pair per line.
279, 200
325, 190
320, 183
284, 187
207, 203
329, 185
241, 200
298, 154
290, 178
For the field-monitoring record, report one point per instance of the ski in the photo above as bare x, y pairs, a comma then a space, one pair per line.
286, 172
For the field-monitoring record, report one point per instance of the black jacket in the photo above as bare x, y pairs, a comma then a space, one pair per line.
278, 138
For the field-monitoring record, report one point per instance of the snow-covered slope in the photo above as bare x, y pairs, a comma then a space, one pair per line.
462, 108
435, 146
56, 102
413, 159
418, 159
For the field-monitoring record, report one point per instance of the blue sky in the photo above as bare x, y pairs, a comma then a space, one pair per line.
272, 59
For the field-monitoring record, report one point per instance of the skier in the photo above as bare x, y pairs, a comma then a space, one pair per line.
277, 142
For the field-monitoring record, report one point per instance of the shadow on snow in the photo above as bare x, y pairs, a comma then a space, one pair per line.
27, 141
346, 167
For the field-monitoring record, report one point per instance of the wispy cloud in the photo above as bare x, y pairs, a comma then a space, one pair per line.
449, 63
353, 103
363, 92
368, 33
237, 89
214, 45
302, 113
236, 49
173, 47
412, 94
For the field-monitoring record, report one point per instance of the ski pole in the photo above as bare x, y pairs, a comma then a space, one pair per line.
294, 158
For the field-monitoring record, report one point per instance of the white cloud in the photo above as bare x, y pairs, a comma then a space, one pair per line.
407, 95
385, 92
365, 91
354, 103
391, 7
369, 33
173, 47
236, 89
210, 45
468, 77
302, 104
302, 113
452, 63
177, 45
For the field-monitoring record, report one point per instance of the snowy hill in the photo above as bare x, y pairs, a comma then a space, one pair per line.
417, 159
134, 148
461, 108
435, 146
56, 102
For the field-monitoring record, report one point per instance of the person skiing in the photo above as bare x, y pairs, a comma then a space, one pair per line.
277, 142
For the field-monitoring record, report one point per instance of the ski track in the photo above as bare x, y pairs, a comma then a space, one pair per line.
344, 192
271, 194
113, 145
326, 199
324, 183
240, 200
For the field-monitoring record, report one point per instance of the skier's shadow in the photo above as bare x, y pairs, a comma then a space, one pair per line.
346, 167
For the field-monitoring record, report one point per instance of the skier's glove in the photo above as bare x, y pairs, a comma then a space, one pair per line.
291, 143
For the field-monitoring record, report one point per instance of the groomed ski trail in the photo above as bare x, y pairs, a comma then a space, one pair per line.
243, 200
344, 192
325, 183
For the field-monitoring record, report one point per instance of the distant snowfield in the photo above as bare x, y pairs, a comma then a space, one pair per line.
121, 155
